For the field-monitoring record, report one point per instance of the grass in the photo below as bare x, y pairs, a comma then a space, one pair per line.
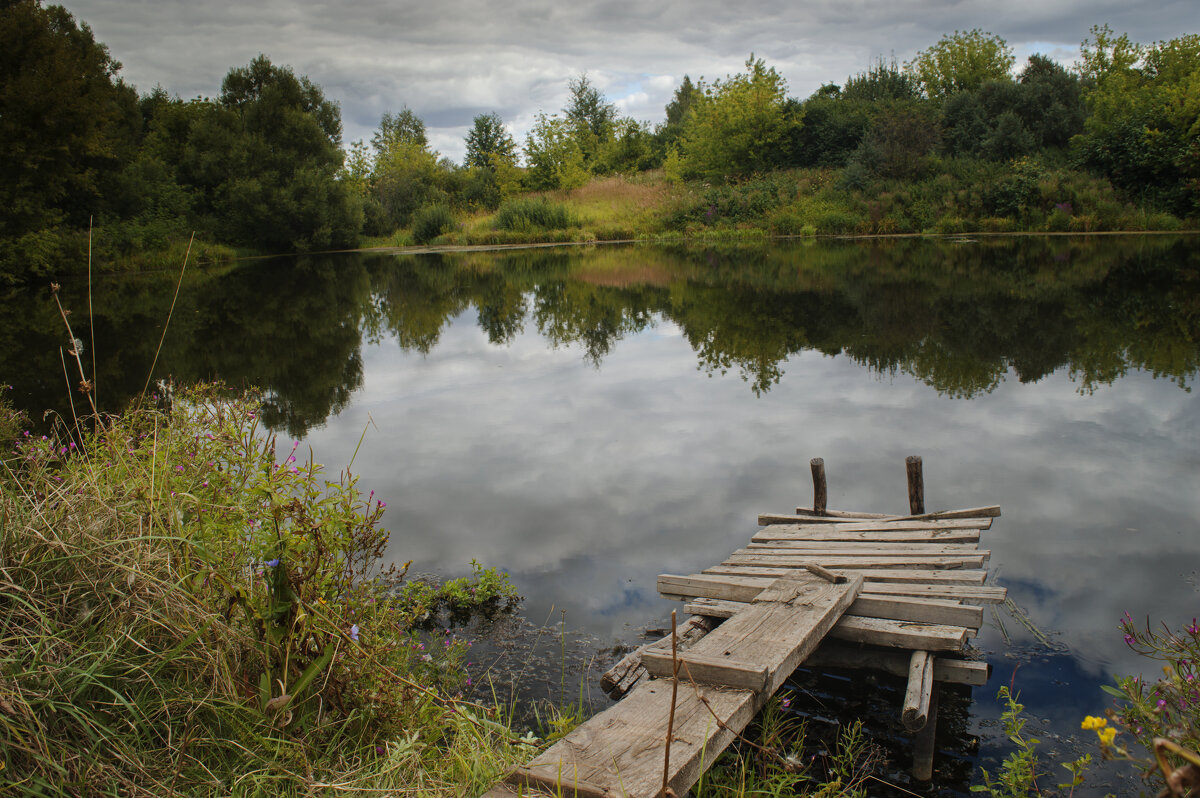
189, 611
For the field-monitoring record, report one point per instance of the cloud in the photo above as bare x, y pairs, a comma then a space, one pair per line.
448, 61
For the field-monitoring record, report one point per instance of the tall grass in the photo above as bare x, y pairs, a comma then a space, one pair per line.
525, 214
188, 611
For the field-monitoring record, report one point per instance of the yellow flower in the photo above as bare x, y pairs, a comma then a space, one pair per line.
1106, 735
1092, 722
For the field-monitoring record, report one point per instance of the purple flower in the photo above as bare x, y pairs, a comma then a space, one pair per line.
354, 632
1194, 628
1129, 640
382, 504
379, 749
272, 563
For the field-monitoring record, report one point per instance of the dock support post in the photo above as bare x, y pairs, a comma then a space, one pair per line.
923, 743
920, 691
916, 485
820, 490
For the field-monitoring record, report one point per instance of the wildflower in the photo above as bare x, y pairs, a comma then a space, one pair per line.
1093, 722
1129, 640
354, 632
382, 505
1194, 629
427, 657
1106, 735
1162, 702
787, 702
379, 749
272, 563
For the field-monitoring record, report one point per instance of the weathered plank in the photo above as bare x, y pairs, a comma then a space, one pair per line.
745, 588
990, 511
955, 576
919, 691
900, 634
836, 654
798, 559
896, 608
859, 548
717, 671
621, 750
880, 525
621, 677
842, 533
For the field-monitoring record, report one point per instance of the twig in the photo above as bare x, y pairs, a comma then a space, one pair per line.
167, 323
92, 324
666, 788
722, 724
85, 387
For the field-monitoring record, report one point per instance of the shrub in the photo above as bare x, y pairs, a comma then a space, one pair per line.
526, 214
430, 222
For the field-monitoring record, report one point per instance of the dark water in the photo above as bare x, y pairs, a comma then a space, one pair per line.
589, 418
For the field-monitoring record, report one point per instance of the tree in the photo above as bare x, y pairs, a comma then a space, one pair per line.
1143, 131
589, 112
61, 112
268, 156
736, 124
489, 141
402, 127
553, 155
961, 62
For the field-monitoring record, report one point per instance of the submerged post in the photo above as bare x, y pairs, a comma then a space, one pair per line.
820, 491
916, 485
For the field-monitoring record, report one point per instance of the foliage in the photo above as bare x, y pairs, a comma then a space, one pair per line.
554, 156
533, 213
736, 124
61, 132
961, 61
401, 127
489, 143
590, 117
487, 591
430, 222
1018, 775
774, 761
1144, 123
192, 610
1167, 708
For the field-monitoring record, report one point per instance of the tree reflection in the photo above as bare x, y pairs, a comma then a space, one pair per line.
960, 316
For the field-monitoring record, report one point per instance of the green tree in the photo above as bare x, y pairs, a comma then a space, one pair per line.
590, 115
269, 154
736, 124
1143, 131
961, 62
489, 141
554, 156
61, 132
402, 127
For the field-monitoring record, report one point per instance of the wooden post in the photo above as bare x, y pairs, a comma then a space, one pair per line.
919, 693
820, 491
916, 485
924, 744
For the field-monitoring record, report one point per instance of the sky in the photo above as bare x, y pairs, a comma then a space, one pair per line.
452, 60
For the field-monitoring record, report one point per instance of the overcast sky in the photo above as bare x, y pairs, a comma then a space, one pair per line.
451, 60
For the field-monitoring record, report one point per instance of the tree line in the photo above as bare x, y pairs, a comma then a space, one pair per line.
262, 165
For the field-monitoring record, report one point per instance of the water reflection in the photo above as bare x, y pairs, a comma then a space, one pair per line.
589, 418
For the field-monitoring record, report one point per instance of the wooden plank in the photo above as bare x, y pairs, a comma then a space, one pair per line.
836, 654
837, 515
919, 691
621, 677
803, 558
896, 608
874, 574
990, 511
621, 749
834, 533
880, 525
856, 548
900, 634
708, 670
744, 588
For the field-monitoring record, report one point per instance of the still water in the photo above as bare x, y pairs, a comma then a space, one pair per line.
587, 418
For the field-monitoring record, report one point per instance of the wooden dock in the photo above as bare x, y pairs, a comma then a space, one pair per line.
819, 587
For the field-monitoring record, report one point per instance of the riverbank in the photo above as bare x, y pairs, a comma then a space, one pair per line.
965, 197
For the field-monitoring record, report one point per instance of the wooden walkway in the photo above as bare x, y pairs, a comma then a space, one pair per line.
820, 587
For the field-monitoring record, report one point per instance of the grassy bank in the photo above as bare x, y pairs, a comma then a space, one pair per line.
956, 196
190, 609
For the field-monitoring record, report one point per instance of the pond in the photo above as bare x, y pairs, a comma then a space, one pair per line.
587, 418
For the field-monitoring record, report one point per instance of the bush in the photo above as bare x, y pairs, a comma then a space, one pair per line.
430, 222
526, 214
